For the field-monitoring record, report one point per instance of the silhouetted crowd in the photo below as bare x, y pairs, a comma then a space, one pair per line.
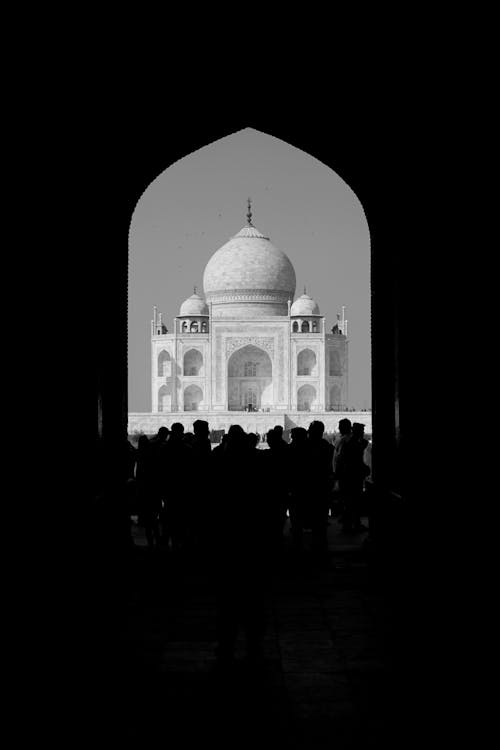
228, 506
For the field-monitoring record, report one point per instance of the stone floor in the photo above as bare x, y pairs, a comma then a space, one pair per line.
331, 678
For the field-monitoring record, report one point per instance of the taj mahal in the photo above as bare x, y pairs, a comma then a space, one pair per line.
247, 352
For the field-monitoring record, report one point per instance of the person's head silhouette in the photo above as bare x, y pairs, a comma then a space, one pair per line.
358, 430
345, 426
236, 436
271, 438
163, 434
143, 443
200, 428
298, 435
177, 431
253, 439
316, 430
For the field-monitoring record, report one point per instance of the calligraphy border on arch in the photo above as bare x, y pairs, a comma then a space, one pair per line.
234, 343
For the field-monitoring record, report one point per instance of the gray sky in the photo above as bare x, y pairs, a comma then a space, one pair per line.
193, 207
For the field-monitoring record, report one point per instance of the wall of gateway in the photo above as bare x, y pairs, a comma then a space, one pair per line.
250, 421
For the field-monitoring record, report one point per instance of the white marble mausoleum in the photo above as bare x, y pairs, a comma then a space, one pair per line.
246, 352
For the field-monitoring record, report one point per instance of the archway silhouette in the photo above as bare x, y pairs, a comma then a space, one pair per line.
385, 326
285, 144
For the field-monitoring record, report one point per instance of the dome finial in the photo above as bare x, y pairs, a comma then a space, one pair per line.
249, 213
305, 289
195, 289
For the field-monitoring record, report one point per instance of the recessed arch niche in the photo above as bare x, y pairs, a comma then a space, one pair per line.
193, 362
250, 379
306, 398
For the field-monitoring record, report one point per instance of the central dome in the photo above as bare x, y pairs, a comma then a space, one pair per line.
249, 277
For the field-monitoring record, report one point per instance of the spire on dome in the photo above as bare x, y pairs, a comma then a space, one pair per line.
305, 289
195, 290
249, 213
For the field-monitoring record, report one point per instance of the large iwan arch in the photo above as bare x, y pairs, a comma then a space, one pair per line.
250, 379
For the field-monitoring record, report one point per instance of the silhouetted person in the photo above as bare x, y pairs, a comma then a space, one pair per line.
298, 483
253, 440
242, 537
158, 445
360, 471
126, 496
202, 466
346, 472
320, 457
219, 449
178, 467
276, 483
161, 436
150, 504
278, 431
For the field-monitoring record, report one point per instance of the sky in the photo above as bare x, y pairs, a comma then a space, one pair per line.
197, 204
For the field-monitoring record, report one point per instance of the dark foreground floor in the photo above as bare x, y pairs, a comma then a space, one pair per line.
336, 671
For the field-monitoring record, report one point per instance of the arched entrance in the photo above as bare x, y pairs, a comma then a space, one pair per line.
193, 362
306, 398
193, 396
249, 379
306, 362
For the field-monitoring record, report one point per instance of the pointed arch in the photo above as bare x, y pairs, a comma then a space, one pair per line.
164, 363
306, 398
193, 398
193, 362
306, 362
250, 378
335, 398
165, 397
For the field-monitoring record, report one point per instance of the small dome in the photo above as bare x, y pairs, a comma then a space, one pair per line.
194, 305
304, 305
